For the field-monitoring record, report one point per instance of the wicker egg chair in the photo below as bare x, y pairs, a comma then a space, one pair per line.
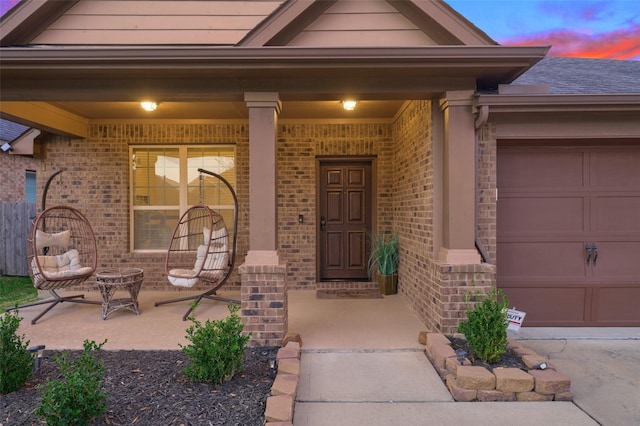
61, 253
200, 250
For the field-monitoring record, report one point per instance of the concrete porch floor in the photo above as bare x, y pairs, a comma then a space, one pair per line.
323, 324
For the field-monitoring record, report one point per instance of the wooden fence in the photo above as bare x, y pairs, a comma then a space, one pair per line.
15, 221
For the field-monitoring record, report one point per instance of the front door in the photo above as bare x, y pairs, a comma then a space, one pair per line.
344, 219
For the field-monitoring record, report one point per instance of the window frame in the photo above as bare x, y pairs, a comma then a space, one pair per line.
183, 196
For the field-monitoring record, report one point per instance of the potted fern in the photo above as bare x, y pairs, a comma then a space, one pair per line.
383, 258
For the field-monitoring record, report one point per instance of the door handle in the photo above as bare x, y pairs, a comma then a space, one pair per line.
588, 248
595, 253
323, 223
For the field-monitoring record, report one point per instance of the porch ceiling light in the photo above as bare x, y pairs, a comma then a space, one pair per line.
349, 105
149, 105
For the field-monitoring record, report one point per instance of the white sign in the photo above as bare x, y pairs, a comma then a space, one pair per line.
515, 318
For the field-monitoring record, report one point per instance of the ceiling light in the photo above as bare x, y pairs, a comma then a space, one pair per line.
349, 105
149, 105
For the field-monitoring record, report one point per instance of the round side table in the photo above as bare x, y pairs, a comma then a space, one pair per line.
111, 280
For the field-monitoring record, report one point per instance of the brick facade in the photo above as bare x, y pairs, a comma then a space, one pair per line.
97, 176
13, 170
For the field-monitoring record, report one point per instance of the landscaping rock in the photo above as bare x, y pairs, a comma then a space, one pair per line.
458, 393
533, 397
550, 382
495, 396
474, 377
513, 380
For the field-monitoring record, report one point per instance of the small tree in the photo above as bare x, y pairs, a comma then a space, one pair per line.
486, 325
77, 397
16, 363
217, 348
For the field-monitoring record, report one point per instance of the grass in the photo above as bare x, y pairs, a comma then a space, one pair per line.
16, 291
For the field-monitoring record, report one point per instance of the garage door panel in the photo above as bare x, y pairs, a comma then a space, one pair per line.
618, 261
561, 169
619, 214
616, 168
559, 260
549, 306
541, 215
553, 201
617, 305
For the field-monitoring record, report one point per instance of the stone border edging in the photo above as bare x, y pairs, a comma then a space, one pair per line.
469, 383
279, 407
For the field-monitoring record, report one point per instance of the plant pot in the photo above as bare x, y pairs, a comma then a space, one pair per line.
388, 284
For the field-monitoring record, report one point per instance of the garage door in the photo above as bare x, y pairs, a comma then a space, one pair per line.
569, 234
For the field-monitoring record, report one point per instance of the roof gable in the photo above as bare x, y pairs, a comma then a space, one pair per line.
366, 23
243, 23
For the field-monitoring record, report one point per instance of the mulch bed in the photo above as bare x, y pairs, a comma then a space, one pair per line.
507, 360
150, 388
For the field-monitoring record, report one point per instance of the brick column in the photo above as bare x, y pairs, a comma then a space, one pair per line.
264, 303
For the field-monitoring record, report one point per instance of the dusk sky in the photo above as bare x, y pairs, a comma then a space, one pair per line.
606, 29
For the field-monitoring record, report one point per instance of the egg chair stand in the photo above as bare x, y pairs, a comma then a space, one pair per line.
61, 253
200, 250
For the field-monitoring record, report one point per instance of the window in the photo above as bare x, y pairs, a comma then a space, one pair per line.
165, 182
30, 187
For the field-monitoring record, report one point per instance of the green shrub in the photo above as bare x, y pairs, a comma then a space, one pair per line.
217, 348
77, 397
16, 363
486, 326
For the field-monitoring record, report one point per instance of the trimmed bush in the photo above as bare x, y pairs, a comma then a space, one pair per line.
77, 397
16, 363
217, 348
486, 324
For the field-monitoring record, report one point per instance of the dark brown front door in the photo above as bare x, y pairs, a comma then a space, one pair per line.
569, 234
344, 219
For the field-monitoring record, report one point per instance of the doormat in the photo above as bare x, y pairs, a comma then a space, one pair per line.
349, 294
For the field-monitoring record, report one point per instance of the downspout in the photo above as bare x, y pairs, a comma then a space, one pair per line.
482, 115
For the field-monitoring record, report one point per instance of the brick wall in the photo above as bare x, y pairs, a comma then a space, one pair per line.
12, 176
487, 183
97, 182
413, 200
436, 291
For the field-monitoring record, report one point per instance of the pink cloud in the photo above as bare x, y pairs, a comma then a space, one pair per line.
619, 44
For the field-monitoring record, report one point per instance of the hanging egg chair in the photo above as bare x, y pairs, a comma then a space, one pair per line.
61, 253
200, 250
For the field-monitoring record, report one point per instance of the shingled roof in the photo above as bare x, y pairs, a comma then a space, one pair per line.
584, 76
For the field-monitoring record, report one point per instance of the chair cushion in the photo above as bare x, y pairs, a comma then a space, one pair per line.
219, 236
65, 265
214, 268
45, 239
67, 261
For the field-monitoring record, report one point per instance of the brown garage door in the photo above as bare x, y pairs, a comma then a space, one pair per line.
569, 234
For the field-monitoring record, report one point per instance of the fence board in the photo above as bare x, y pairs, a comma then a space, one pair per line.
15, 221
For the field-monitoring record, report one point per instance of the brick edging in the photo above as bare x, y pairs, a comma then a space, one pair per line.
280, 405
473, 383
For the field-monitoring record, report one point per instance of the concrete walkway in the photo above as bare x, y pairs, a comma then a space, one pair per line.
361, 362
355, 376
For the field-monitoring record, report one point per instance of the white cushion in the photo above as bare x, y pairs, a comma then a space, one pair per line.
219, 236
182, 277
60, 239
65, 265
214, 269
